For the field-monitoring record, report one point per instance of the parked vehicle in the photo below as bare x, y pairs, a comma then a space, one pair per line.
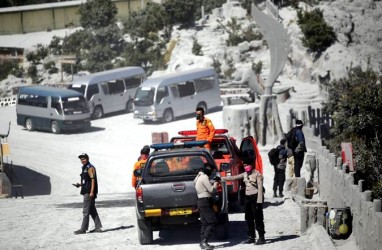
230, 159
54, 109
169, 96
111, 90
166, 195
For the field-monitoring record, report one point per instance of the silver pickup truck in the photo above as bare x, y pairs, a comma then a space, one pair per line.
166, 195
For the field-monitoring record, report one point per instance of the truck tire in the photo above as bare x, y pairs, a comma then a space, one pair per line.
98, 112
221, 231
168, 116
145, 232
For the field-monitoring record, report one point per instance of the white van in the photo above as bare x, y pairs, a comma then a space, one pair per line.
111, 90
173, 95
52, 109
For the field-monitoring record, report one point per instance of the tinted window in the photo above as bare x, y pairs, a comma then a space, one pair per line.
78, 87
175, 166
33, 100
74, 105
186, 89
133, 82
92, 90
116, 87
161, 93
56, 104
204, 84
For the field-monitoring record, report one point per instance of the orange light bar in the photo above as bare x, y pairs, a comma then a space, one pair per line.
193, 132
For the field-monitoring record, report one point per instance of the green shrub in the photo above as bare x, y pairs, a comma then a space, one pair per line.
196, 48
51, 67
355, 103
318, 35
10, 68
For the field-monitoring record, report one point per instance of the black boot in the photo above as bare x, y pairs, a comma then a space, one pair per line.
281, 194
204, 245
261, 240
250, 240
274, 194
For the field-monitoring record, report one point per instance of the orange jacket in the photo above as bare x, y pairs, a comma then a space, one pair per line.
138, 165
205, 130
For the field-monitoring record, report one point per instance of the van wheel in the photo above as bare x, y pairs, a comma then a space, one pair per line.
97, 112
204, 106
168, 116
29, 124
129, 106
55, 128
145, 232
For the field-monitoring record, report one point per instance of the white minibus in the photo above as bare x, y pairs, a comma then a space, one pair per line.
173, 95
111, 90
54, 109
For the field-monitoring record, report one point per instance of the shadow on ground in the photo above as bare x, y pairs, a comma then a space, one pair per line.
33, 183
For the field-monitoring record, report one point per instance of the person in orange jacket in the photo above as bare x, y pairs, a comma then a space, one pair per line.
205, 130
145, 151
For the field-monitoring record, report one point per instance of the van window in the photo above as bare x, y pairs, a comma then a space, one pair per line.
186, 89
174, 90
162, 92
204, 84
92, 90
33, 100
133, 82
105, 88
56, 105
116, 87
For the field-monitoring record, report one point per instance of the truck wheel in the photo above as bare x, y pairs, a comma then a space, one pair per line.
129, 106
54, 127
145, 232
97, 112
168, 116
29, 124
221, 231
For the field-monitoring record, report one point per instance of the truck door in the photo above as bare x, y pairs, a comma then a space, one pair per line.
250, 153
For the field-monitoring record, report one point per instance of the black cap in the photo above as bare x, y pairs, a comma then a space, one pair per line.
83, 155
282, 141
145, 150
299, 123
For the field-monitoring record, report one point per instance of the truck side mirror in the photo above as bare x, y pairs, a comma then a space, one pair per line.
224, 166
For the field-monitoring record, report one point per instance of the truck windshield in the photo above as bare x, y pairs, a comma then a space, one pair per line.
74, 105
175, 166
144, 96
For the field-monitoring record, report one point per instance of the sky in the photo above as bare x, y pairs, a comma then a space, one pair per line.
48, 165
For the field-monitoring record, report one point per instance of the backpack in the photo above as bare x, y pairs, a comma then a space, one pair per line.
274, 156
291, 139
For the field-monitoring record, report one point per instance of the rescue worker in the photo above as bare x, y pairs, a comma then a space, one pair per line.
253, 202
204, 189
205, 130
279, 178
145, 151
89, 189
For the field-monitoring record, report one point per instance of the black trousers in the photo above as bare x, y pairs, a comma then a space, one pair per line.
207, 218
254, 214
298, 160
279, 179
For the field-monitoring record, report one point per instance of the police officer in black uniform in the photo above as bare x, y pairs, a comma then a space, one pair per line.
89, 189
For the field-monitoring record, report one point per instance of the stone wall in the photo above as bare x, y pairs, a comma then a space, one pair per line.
339, 190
